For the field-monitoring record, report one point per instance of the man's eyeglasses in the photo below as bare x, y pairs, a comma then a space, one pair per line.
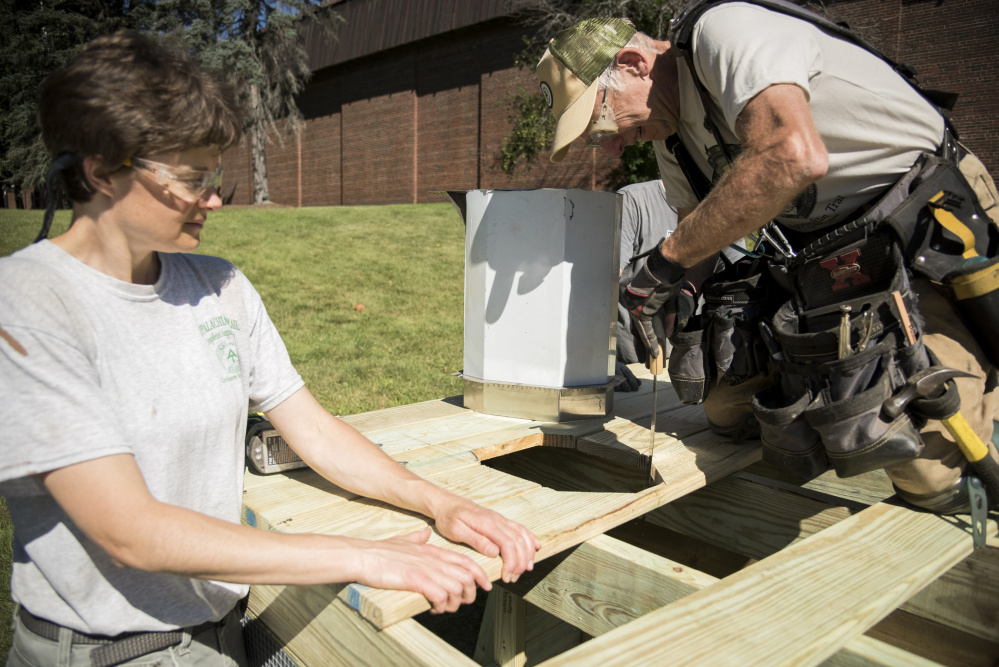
189, 185
604, 127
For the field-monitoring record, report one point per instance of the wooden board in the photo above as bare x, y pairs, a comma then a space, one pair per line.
798, 606
316, 629
563, 519
605, 583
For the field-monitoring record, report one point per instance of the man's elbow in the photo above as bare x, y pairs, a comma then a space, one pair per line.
806, 159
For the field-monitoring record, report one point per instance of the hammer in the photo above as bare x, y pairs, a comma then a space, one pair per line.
931, 383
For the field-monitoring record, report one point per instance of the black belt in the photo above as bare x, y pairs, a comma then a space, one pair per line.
113, 650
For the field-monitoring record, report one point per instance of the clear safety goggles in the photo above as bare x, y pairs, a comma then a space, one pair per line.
189, 185
603, 127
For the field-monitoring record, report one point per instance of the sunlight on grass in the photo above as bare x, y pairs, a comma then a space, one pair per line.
368, 299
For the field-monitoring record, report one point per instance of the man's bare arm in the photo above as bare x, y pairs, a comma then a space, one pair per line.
782, 154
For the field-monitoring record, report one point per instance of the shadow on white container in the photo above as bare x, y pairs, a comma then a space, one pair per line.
541, 269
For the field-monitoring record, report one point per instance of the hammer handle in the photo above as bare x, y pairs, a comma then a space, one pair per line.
977, 453
969, 442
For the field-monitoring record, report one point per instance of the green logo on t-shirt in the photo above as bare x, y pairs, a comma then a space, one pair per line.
220, 333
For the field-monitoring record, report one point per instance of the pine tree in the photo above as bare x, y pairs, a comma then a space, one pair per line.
36, 38
258, 46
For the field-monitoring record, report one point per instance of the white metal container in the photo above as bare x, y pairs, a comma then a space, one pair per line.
541, 269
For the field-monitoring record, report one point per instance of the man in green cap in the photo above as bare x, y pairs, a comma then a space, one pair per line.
774, 125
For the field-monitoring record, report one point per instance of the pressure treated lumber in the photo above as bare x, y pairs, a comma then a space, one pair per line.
934, 641
406, 414
798, 606
604, 583
318, 630
545, 636
509, 616
867, 652
684, 468
757, 517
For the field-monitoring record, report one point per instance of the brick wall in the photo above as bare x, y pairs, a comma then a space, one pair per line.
400, 126
283, 169
321, 161
431, 116
237, 182
952, 45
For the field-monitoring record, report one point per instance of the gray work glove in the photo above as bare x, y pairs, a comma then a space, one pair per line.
658, 284
630, 382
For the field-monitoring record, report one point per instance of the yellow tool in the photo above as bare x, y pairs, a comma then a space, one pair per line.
655, 367
931, 383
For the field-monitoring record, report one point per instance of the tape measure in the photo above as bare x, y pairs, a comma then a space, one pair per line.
266, 450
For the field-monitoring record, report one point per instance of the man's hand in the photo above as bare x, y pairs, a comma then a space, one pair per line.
656, 285
489, 533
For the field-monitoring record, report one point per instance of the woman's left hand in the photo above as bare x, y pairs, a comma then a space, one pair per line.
489, 533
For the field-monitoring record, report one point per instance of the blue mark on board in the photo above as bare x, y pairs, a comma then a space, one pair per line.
354, 595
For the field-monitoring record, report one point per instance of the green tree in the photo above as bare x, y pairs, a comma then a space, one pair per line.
533, 125
36, 38
258, 46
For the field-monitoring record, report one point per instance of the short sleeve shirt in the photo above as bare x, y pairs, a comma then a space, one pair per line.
873, 124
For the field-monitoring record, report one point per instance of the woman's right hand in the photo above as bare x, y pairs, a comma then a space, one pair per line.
446, 578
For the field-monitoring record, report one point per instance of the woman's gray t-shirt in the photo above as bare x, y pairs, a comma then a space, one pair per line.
91, 367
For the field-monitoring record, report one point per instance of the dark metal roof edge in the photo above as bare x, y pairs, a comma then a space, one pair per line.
393, 23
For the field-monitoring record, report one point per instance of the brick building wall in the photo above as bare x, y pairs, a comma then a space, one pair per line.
399, 125
952, 45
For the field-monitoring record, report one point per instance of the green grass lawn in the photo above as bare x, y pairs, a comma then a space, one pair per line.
368, 300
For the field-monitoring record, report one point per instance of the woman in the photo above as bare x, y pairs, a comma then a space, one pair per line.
127, 370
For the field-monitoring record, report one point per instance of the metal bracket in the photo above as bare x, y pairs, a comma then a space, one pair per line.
979, 510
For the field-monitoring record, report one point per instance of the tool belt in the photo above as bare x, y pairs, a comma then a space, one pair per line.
948, 238
845, 343
851, 334
723, 341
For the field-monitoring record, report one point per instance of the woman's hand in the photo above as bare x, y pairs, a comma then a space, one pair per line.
489, 533
446, 578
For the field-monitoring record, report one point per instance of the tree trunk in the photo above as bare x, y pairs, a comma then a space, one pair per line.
258, 148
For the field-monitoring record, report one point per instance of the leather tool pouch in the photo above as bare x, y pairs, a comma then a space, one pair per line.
845, 346
689, 363
723, 340
947, 237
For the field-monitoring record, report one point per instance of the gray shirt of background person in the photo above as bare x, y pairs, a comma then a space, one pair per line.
645, 219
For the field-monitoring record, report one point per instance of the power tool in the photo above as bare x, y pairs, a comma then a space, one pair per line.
266, 450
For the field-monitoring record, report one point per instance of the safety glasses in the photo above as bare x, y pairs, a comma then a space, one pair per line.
604, 127
189, 185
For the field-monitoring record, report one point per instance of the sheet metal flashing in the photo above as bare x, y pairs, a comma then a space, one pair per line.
544, 404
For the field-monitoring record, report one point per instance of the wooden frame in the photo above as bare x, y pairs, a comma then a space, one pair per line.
828, 560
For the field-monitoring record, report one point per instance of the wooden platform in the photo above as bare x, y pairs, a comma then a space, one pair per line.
721, 561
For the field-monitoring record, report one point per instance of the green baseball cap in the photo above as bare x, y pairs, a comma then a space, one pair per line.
569, 71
